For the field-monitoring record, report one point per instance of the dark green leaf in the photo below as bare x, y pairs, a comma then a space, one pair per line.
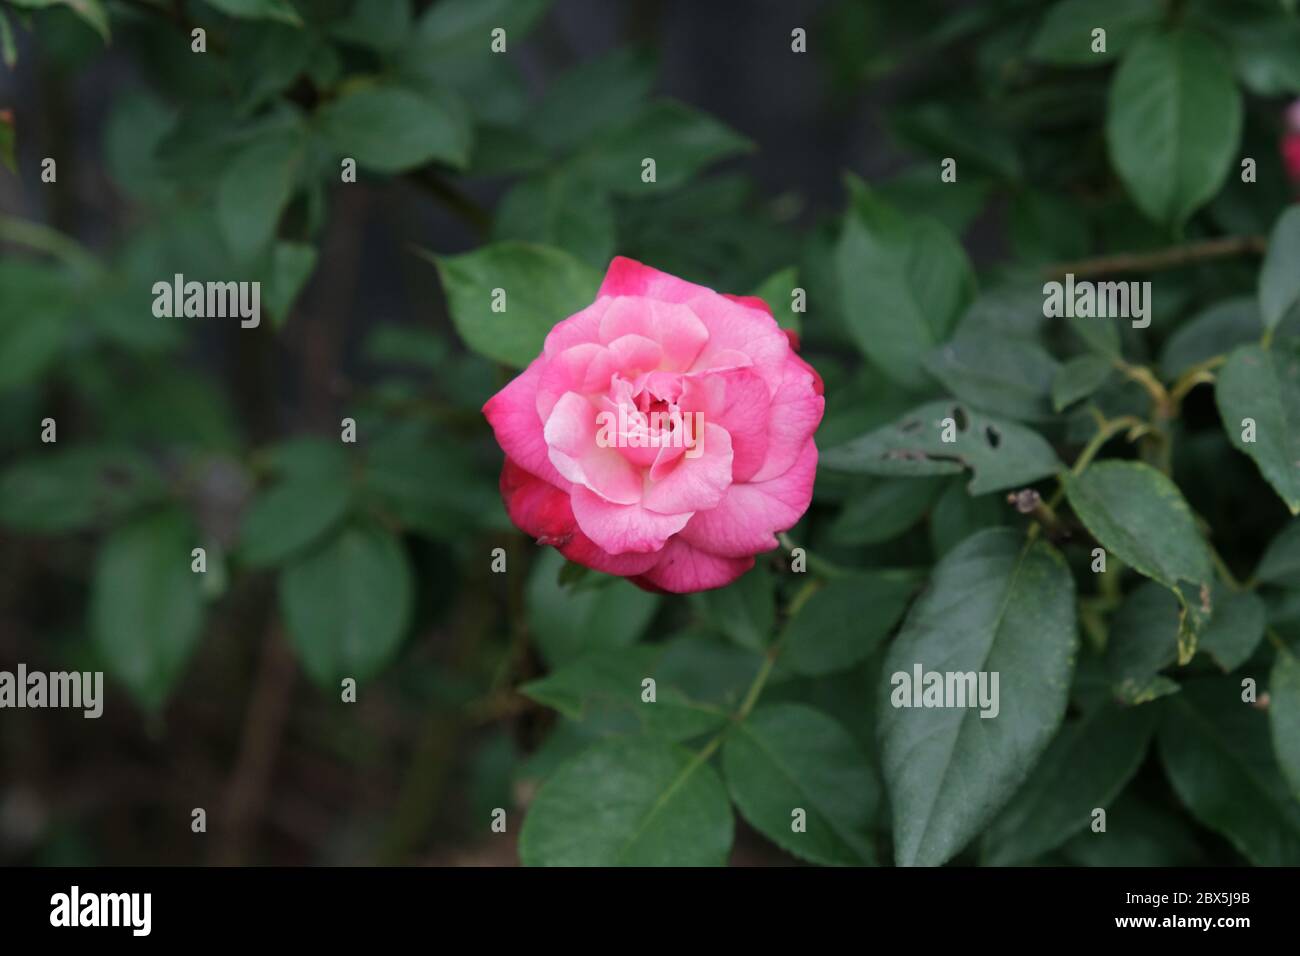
253, 192
884, 508
1216, 331
146, 609
1084, 768
1002, 376
289, 516
845, 621
629, 802
1279, 279
391, 129
347, 604
568, 621
76, 488
281, 10
557, 210
1281, 561
777, 290
1218, 755
1065, 36
1001, 454
996, 605
903, 283
1264, 386
1173, 123
744, 611
1079, 378
1284, 717
542, 286
788, 757
1139, 515
1235, 629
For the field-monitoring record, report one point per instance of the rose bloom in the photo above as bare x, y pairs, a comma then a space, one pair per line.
664, 434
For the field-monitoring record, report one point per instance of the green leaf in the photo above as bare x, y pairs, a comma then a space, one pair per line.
288, 517
1085, 767
845, 621
629, 802
788, 757
1001, 454
1281, 561
391, 129
1173, 123
1065, 36
682, 141
76, 488
1137, 833
292, 264
542, 286
884, 508
556, 209
1217, 753
1216, 331
146, 609
607, 682
958, 515
347, 604
569, 621
903, 283
91, 12
777, 290
279, 10
1003, 376
36, 304
1078, 378
1264, 386
395, 344
253, 192
1279, 278
379, 24
952, 130
1143, 639
397, 478
995, 604
1235, 629
593, 96
744, 611
1139, 515
1284, 717
461, 27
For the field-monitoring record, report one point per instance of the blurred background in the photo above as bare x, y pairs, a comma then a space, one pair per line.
223, 688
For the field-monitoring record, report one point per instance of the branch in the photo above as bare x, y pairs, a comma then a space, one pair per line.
1157, 259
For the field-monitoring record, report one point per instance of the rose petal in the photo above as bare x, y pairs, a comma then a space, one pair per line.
570, 434
749, 516
683, 568
699, 478
620, 529
512, 413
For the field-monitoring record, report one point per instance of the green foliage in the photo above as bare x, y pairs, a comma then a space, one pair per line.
1095, 510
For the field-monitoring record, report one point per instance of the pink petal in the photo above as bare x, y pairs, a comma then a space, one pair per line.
628, 277
586, 369
582, 326
795, 413
571, 443
512, 413
543, 512
694, 483
676, 328
737, 328
683, 568
745, 522
739, 401
619, 528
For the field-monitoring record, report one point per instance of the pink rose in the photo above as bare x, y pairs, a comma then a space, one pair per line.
664, 434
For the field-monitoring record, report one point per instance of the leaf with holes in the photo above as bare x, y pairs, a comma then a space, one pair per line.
1001, 454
